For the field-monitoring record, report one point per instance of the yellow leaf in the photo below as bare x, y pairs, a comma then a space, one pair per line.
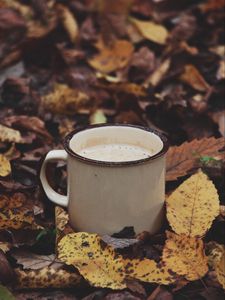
193, 206
113, 57
69, 22
16, 212
185, 256
151, 31
155, 78
61, 223
5, 167
46, 278
214, 253
193, 77
65, 100
100, 265
220, 270
10, 135
148, 270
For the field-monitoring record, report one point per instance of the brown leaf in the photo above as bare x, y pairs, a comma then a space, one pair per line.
6, 271
32, 261
181, 159
212, 5
185, 256
219, 118
155, 78
220, 270
112, 58
193, 77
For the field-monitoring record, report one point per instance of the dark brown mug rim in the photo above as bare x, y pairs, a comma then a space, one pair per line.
66, 144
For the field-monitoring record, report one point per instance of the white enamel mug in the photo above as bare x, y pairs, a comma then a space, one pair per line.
104, 197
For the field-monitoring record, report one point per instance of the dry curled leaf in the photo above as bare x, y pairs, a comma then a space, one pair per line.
5, 167
99, 264
65, 100
193, 77
220, 270
214, 253
46, 278
113, 57
69, 22
155, 78
181, 159
193, 206
151, 31
9, 135
148, 270
16, 212
5, 247
61, 223
185, 256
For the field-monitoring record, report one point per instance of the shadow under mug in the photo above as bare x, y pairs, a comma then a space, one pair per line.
104, 197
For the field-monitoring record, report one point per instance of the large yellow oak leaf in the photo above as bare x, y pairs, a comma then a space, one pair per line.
185, 256
47, 277
220, 270
16, 212
112, 57
151, 31
148, 270
5, 167
181, 159
97, 263
193, 206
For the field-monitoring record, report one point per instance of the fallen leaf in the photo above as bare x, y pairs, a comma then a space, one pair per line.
117, 243
10, 135
185, 256
221, 71
101, 266
61, 223
5, 247
16, 212
151, 31
5, 167
193, 77
219, 118
181, 159
98, 117
148, 270
69, 22
214, 253
46, 278
5, 294
125, 87
212, 5
155, 78
32, 261
193, 206
220, 270
112, 58
65, 100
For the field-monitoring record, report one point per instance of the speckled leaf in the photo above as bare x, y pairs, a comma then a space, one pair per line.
16, 212
185, 256
61, 223
5, 167
193, 206
148, 270
151, 31
98, 263
65, 100
9, 135
181, 159
46, 278
220, 270
112, 58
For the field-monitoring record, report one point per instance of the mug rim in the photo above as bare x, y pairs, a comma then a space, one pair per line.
68, 137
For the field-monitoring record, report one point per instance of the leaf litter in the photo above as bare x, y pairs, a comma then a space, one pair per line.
151, 63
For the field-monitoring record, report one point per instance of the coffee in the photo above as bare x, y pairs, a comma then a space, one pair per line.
115, 152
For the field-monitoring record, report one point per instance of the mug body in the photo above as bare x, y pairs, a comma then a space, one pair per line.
105, 197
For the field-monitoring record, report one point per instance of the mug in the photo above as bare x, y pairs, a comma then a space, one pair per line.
104, 197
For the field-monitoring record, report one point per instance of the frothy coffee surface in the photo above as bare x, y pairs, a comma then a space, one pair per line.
115, 153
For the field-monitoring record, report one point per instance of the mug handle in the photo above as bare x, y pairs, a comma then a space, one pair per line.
51, 194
